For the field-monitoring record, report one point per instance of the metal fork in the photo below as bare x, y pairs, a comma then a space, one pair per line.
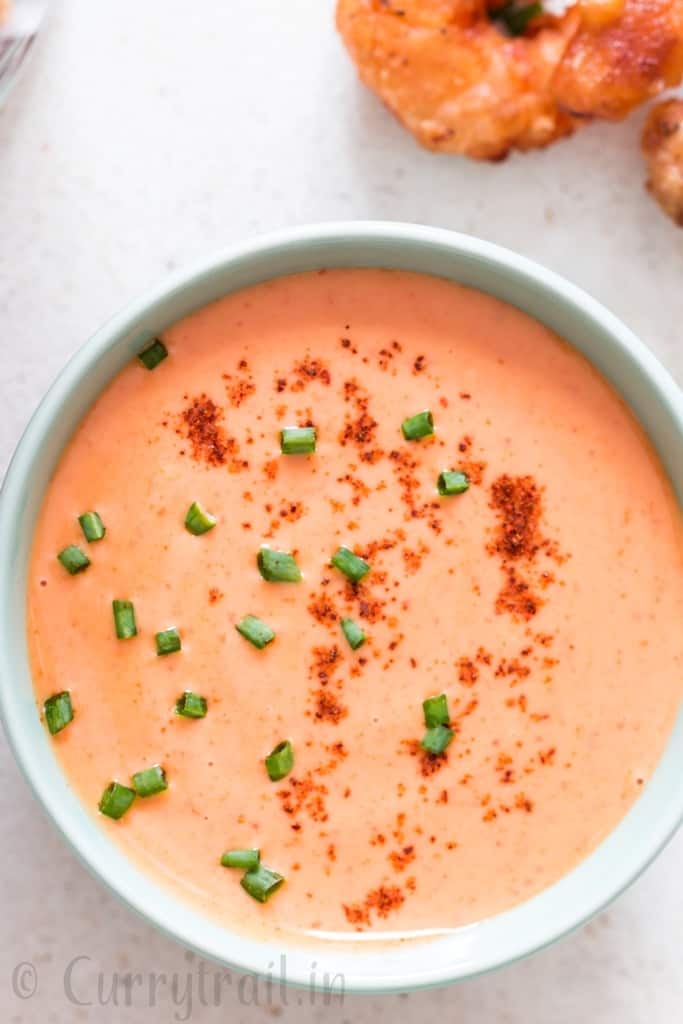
17, 35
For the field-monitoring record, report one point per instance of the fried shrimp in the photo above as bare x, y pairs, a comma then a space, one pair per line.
461, 85
663, 148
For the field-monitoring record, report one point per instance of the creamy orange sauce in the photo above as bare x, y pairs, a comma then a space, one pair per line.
545, 602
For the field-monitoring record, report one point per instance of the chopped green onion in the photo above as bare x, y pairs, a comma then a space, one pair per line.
150, 781
198, 521
58, 711
168, 641
297, 440
261, 883
436, 711
73, 559
436, 739
278, 566
116, 800
452, 482
255, 631
517, 18
92, 526
353, 633
153, 355
353, 566
124, 619
417, 426
191, 705
280, 761
248, 860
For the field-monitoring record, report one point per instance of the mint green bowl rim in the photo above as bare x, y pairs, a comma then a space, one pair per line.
613, 349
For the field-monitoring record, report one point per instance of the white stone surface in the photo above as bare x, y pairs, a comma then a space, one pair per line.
145, 134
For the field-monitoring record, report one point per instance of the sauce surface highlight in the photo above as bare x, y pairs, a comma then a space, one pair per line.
545, 602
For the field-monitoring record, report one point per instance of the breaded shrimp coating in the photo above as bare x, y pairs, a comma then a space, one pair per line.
663, 148
447, 69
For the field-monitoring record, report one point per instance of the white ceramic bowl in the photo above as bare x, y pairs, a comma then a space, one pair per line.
613, 349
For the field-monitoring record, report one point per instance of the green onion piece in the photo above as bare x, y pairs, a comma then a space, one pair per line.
278, 566
417, 426
73, 559
280, 761
92, 526
197, 521
452, 482
353, 633
150, 781
247, 860
436, 739
516, 18
153, 355
191, 705
58, 711
261, 883
124, 619
353, 567
255, 631
297, 440
168, 641
116, 800
436, 711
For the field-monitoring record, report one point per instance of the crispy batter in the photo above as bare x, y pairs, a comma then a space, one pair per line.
606, 73
663, 148
461, 86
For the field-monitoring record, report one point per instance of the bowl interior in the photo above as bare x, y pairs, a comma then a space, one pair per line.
364, 965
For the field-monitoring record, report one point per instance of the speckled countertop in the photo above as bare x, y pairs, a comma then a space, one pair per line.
141, 136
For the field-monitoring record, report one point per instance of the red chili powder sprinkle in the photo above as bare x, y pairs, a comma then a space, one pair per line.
326, 661
308, 370
328, 708
360, 427
359, 488
512, 667
291, 511
516, 597
304, 794
323, 609
203, 426
400, 859
517, 503
474, 470
468, 673
412, 557
239, 388
523, 803
382, 901
405, 466
370, 607
384, 358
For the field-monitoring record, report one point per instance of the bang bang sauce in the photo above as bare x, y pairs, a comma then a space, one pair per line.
542, 596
